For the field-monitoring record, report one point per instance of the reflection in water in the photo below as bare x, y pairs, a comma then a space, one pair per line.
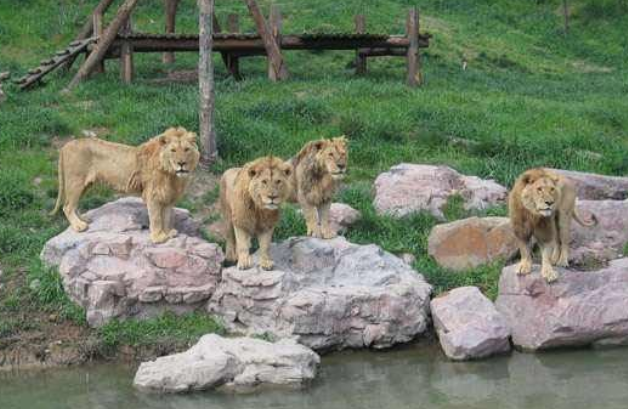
412, 377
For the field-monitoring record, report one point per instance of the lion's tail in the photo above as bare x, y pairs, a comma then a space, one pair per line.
577, 217
61, 194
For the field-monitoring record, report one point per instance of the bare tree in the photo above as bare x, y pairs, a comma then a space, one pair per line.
207, 129
566, 15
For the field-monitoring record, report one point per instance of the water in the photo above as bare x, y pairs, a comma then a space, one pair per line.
415, 377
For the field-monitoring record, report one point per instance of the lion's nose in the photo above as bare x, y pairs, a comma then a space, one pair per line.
341, 166
181, 163
273, 197
549, 203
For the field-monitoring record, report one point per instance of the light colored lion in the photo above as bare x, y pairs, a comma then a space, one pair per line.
541, 205
158, 170
249, 199
318, 169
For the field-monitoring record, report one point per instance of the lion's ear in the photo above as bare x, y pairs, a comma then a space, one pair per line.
163, 139
341, 140
287, 170
318, 145
531, 176
191, 137
252, 172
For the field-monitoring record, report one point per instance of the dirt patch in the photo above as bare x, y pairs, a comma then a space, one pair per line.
587, 67
181, 76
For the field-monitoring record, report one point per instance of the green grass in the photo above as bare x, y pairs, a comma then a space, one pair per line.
531, 96
165, 328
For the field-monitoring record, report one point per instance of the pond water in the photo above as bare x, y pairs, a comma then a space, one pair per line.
412, 377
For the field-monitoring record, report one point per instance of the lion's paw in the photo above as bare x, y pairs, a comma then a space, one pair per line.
173, 233
549, 274
80, 226
524, 268
159, 238
245, 262
329, 234
266, 264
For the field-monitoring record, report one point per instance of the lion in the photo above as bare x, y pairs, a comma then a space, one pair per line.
541, 205
250, 198
318, 169
158, 170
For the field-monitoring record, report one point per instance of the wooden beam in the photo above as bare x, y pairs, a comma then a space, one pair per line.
412, 32
104, 43
87, 30
207, 130
97, 18
275, 24
233, 62
270, 44
360, 60
126, 54
170, 10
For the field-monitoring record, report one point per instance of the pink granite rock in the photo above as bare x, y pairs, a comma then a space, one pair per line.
328, 294
468, 325
409, 188
581, 308
113, 269
592, 186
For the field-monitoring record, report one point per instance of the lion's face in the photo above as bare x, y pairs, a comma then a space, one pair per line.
179, 152
269, 185
332, 155
540, 194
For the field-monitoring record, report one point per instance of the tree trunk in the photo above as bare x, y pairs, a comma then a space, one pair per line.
270, 43
170, 7
207, 129
566, 15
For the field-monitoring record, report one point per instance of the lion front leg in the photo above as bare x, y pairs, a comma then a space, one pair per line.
311, 220
156, 222
326, 231
547, 271
73, 193
525, 265
265, 239
168, 218
243, 246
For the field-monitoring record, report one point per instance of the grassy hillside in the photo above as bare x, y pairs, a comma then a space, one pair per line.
530, 96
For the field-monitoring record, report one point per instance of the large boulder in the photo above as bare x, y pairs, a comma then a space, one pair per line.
113, 269
472, 242
605, 241
237, 364
342, 216
468, 325
408, 188
581, 308
328, 294
592, 186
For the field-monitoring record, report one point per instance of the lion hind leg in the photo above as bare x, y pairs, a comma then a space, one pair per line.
73, 194
564, 239
326, 230
230, 249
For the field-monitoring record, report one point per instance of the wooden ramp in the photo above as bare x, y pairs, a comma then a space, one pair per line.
59, 59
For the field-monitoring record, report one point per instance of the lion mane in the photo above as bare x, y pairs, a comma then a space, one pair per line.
250, 200
319, 167
158, 170
542, 205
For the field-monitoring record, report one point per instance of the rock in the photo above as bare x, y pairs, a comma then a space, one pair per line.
113, 269
581, 308
468, 325
592, 186
238, 364
408, 188
605, 241
342, 216
328, 294
472, 242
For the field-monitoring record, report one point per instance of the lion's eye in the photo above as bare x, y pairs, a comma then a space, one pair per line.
187, 149
264, 182
173, 150
331, 155
278, 182
540, 189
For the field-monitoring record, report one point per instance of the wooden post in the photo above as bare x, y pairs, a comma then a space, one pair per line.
413, 57
170, 9
360, 60
98, 30
103, 44
275, 23
126, 54
88, 28
233, 62
272, 48
207, 129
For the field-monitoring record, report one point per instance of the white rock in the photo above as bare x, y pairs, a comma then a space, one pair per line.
238, 364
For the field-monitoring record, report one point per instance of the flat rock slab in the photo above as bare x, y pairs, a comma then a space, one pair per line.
468, 325
470, 243
409, 188
113, 269
581, 308
328, 294
592, 186
237, 364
